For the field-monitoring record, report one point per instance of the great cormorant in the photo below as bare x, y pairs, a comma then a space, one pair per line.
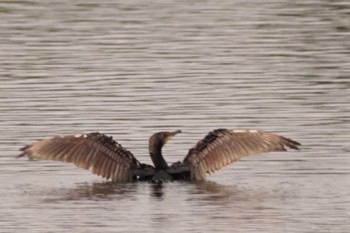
110, 160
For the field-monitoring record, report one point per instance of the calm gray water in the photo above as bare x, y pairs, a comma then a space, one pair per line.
133, 68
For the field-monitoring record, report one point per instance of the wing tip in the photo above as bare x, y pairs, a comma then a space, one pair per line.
24, 151
20, 155
292, 144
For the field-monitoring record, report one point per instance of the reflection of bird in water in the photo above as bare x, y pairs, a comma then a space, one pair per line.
86, 191
109, 159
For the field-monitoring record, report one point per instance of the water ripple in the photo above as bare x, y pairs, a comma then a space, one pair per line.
129, 69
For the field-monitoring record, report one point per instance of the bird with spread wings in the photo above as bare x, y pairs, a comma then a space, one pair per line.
107, 158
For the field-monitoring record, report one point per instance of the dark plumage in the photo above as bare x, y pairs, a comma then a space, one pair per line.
110, 160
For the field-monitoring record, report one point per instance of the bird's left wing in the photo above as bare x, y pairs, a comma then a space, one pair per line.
105, 156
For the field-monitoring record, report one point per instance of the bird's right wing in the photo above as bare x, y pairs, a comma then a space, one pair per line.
105, 156
222, 147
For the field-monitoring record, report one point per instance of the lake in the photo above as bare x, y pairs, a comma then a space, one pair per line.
129, 69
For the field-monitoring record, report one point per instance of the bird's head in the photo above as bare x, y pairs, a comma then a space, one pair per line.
161, 138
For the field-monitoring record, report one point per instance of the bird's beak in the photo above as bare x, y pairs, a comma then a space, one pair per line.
175, 132
172, 134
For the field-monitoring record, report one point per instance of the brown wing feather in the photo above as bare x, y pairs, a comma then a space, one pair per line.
105, 156
222, 147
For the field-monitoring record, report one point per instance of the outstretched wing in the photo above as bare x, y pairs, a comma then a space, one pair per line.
105, 156
222, 147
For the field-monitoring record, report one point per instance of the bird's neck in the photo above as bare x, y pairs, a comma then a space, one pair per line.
155, 152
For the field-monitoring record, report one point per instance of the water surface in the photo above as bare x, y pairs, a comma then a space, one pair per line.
131, 69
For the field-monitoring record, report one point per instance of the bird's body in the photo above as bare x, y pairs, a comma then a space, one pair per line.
110, 160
